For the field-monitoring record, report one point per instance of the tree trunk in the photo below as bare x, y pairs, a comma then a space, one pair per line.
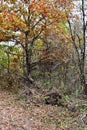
84, 47
28, 54
28, 57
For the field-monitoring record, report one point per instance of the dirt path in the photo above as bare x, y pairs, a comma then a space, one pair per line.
13, 116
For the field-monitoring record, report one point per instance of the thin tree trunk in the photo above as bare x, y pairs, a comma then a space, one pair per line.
28, 66
84, 48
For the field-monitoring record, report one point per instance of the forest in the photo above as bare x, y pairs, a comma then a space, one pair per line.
43, 65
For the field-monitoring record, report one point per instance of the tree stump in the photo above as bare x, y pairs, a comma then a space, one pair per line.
53, 99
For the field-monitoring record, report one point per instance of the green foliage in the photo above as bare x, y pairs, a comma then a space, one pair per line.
66, 97
3, 58
22, 100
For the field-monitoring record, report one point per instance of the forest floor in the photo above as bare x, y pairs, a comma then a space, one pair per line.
18, 114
